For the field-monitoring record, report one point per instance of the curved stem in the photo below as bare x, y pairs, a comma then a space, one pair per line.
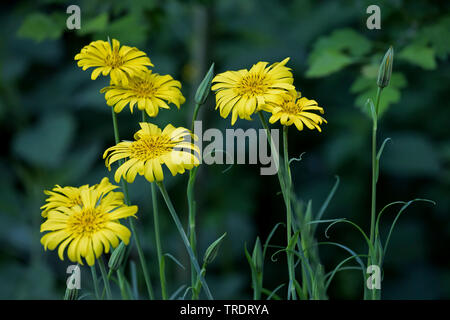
184, 237
130, 220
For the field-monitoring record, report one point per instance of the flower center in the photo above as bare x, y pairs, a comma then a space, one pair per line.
114, 60
252, 85
143, 88
150, 147
291, 107
87, 221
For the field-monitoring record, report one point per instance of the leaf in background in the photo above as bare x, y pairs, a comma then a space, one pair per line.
366, 88
411, 155
45, 144
39, 27
94, 24
336, 51
326, 63
130, 30
419, 55
436, 34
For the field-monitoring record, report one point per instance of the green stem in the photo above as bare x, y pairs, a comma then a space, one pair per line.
101, 265
375, 169
130, 220
192, 207
162, 272
288, 184
198, 284
95, 280
161, 264
184, 237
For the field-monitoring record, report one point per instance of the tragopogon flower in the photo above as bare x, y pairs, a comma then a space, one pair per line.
245, 91
294, 109
71, 196
120, 62
89, 228
148, 91
152, 148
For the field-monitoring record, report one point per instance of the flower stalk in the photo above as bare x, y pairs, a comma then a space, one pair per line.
184, 237
147, 279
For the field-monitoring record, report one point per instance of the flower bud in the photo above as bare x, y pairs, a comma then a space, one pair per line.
385, 71
204, 87
116, 259
257, 256
213, 249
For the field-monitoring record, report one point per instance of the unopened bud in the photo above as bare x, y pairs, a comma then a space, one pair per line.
204, 87
116, 259
213, 249
385, 71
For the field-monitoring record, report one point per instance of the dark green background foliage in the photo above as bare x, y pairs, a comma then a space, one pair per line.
55, 125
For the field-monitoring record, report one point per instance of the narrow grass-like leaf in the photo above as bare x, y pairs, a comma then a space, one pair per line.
398, 216
337, 268
175, 294
273, 293
328, 199
266, 244
174, 260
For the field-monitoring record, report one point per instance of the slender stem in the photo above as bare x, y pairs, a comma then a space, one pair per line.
198, 285
184, 237
162, 272
161, 264
95, 280
192, 208
372, 253
130, 220
101, 265
288, 183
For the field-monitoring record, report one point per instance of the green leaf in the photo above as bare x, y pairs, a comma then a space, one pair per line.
39, 27
333, 53
419, 55
46, 143
326, 63
95, 24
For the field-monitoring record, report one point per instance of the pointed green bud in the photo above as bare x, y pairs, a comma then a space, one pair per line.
257, 256
204, 87
116, 259
213, 249
385, 71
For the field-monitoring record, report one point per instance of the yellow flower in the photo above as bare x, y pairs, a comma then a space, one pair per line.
245, 91
152, 148
90, 228
70, 196
294, 109
149, 91
120, 62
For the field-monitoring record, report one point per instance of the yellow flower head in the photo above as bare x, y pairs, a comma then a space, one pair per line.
294, 109
89, 228
71, 196
245, 91
120, 62
148, 91
152, 148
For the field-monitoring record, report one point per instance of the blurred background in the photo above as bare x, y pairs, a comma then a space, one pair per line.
55, 126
